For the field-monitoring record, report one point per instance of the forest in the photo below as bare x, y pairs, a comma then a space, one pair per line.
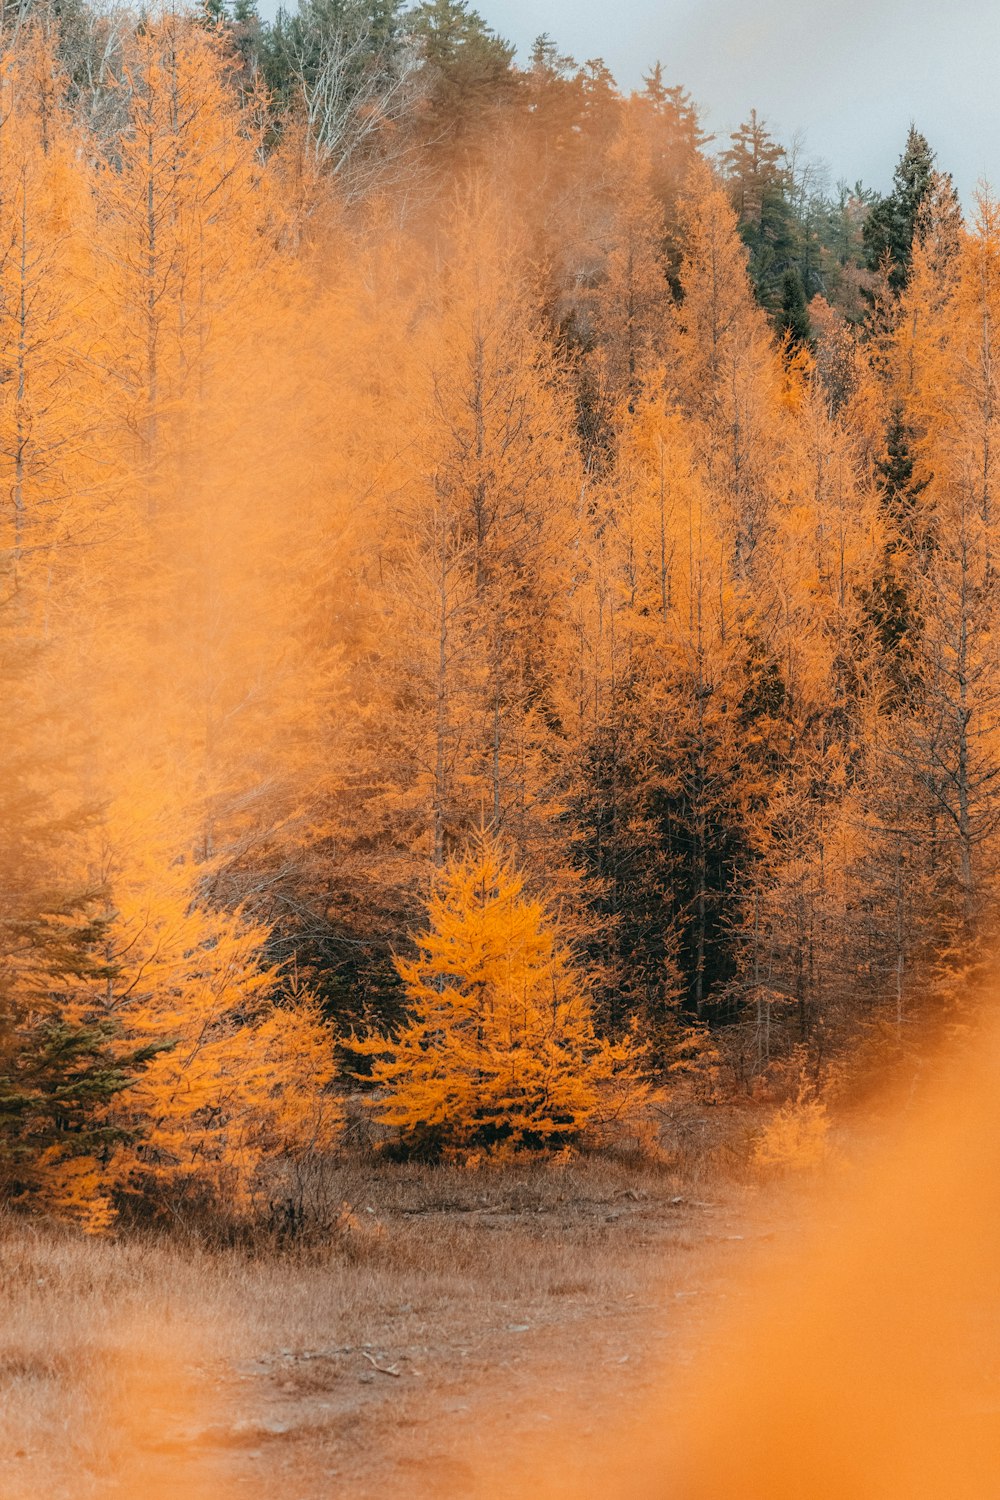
498, 594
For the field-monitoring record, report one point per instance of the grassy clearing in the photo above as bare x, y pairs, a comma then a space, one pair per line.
159, 1367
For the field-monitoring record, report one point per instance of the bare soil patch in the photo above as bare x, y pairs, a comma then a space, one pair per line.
453, 1324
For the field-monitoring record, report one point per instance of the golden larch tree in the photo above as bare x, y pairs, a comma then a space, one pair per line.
500, 1044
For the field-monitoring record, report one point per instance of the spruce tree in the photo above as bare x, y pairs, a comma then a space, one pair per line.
759, 182
58, 1079
893, 220
793, 319
62, 1060
469, 66
891, 601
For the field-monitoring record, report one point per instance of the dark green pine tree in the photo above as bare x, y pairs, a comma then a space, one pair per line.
622, 819
554, 97
56, 1081
601, 103
469, 67
60, 1059
892, 223
793, 317
663, 845
901, 491
759, 183
680, 133
890, 608
675, 138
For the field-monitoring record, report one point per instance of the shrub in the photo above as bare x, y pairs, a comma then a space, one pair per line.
795, 1138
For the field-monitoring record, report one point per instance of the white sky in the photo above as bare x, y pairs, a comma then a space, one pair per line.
850, 74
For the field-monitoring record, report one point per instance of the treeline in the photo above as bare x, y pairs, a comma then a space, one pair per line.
405, 451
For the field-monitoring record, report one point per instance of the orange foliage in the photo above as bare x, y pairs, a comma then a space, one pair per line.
500, 1045
340, 524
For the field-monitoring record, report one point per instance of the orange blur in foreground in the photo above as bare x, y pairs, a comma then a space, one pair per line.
873, 1373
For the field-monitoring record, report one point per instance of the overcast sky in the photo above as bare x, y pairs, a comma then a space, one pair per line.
850, 74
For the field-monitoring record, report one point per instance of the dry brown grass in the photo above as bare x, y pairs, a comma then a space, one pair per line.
154, 1367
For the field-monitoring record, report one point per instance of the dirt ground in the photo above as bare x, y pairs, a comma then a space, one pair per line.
522, 1333
459, 1329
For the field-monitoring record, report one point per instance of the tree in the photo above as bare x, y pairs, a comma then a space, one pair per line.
553, 95
891, 600
892, 221
469, 67
842, 262
241, 1065
49, 472
631, 305
59, 1081
62, 1069
188, 241
759, 181
793, 318
500, 1045
624, 748
675, 136
949, 739
347, 90
727, 371
681, 708
473, 564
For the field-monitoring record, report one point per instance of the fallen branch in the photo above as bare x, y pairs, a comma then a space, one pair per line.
382, 1369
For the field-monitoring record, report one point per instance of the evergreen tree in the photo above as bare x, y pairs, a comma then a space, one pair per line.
553, 97
60, 1082
842, 274
469, 67
678, 134
891, 600
793, 319
674, 136
899, 486
892, 221
756, 170
61, 1066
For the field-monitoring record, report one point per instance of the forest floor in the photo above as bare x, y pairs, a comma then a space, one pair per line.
458, 1322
